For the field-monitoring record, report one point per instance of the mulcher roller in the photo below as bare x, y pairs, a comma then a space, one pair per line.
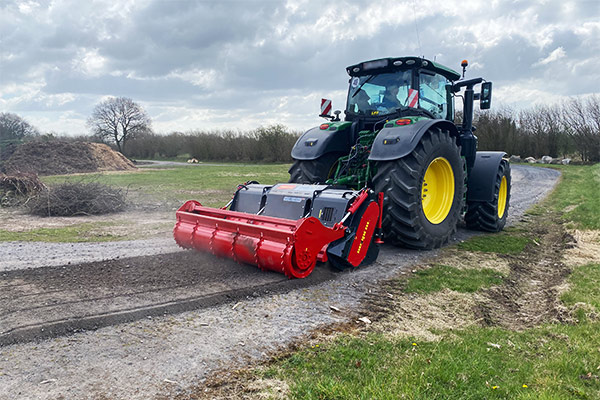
286, 228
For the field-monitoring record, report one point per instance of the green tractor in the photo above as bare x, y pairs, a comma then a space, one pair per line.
397, 166
399, 137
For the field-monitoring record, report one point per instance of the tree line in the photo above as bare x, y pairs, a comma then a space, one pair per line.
566, 129
269, 144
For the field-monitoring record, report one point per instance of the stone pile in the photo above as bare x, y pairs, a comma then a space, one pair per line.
542, 160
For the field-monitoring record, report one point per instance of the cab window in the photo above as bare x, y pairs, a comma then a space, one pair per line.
433, 95
381, 94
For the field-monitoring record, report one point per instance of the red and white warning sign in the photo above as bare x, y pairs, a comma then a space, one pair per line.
413, 98
325, 106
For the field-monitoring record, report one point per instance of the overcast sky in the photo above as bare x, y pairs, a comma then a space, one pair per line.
242, 64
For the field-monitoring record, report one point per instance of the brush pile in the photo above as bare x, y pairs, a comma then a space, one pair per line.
72, 199
17, 189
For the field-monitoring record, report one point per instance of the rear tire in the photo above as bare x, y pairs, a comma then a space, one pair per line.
313, 171
405, 206
490, 216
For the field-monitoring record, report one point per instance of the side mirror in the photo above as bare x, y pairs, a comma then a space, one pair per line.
485, 98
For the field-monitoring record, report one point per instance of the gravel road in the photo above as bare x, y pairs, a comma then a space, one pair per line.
189, 314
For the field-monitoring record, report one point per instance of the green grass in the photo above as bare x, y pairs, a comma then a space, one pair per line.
501, 243
87, 232
553, 362
585, 286
211, 185
439, 277
577, 197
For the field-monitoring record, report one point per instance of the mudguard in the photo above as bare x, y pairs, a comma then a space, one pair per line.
398, 141
482, 179
316, 141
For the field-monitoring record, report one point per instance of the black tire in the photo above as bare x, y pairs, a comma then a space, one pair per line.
483, 215
313, 171
404, 222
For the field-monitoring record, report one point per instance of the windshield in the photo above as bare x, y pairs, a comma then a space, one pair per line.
433, 95
379, 94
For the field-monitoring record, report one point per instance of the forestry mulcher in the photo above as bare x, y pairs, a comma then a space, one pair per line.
396, 168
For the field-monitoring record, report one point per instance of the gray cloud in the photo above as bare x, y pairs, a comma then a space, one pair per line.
253, 62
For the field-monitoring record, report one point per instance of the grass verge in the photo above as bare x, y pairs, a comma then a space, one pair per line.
440, 277
577, 197
585, 284
79, 233
500, 243
552, 362
548, 361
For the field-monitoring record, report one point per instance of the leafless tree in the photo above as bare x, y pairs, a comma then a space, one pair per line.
14, 130
582, 122
543, 130
497, 130
119, 119
14, 127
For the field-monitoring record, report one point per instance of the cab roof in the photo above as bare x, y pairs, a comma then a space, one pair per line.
383, 65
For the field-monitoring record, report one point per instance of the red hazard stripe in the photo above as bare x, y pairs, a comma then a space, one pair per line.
413, 97
325, 106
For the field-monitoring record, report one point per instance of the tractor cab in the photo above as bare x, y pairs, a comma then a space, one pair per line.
391, 88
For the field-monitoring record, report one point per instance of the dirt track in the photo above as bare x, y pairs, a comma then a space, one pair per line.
53, 301
141, 359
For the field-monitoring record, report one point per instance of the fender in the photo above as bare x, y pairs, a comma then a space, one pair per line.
316, 141
482, 179
398, 141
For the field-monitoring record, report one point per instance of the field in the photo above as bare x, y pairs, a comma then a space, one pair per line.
153, 194
509, 315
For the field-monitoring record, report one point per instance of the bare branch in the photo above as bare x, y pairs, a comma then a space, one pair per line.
119, 119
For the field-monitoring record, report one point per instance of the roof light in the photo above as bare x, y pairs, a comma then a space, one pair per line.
355, 69
324, 126
410, 62
403, 121
397, 63
425, 63
375, 64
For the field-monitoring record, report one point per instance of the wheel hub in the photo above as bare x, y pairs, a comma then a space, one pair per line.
437, 190
502, 194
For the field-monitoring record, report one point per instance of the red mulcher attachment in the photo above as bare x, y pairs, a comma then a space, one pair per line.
286, 228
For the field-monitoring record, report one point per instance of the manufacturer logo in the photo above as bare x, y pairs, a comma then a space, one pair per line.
362, 239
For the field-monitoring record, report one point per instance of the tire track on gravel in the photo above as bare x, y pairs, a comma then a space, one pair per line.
95, 295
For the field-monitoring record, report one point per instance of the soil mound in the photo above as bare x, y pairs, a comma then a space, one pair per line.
60, 157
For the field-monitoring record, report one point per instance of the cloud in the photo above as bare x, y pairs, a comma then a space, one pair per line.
555, 55
235, 63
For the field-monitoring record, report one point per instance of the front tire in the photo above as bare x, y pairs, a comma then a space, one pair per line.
313, 171
490, 216
423, 192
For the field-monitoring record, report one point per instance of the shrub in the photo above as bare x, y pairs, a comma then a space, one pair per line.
71, 199
16, 189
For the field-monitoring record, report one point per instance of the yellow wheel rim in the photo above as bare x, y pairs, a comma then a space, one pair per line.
437, 192
502, 197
